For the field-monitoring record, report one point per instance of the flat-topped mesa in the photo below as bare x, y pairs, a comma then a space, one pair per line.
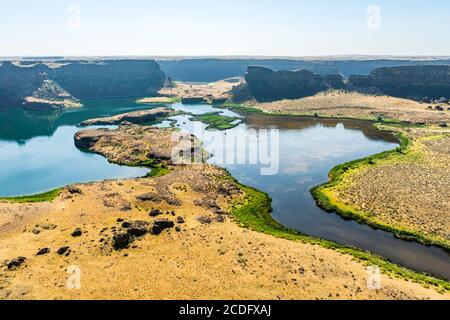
142, 145
136, 117
266, 85
414, 82
60, 84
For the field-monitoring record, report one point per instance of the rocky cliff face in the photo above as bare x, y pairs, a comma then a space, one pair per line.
120, 78
267, 85
17, 83
23, 85
414, 82
210, 70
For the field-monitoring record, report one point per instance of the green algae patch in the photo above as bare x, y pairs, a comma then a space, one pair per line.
217, 121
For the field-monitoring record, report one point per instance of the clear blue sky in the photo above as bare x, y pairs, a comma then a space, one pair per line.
223, 27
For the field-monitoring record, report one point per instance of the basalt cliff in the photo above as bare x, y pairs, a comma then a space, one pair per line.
64, 83
412, 82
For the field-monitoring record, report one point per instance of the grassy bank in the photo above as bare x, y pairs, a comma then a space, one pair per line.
247, 109
325, 198
41, 197
254, 213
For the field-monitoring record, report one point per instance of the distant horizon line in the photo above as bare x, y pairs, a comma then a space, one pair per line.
243, 57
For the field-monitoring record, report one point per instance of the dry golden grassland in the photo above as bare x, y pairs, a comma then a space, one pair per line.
340, 104
209, 257
213, 90
407, 191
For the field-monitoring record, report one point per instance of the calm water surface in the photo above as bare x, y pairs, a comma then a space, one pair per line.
309, 149
37, 154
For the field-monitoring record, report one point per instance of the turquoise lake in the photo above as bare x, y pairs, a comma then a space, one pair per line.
37, 153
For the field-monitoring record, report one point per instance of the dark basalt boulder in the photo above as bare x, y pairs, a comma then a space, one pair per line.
63, 250
161, 225
43, 251
77, 233
204, 220
121, 241
74, 190
155, 213
138, 228
153, 197
180, 220
16, 263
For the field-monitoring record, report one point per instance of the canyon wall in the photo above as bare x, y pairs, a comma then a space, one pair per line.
52, 85
413, 82
209, 70
267, 85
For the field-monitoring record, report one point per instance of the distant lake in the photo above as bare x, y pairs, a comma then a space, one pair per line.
37, 152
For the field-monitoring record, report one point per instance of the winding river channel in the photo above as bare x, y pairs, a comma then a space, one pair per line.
37, 154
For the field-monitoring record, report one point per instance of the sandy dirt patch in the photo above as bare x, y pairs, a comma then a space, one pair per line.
215, 90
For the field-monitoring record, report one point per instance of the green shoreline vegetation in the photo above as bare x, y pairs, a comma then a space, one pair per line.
329, 204
248, 109
34, 198
254, 212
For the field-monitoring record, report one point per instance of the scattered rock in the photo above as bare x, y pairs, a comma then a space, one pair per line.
138, 228
63, 250
126, 225
160, 225
153, 197
126, 207
180, 220
16, 263
49, 226
112, 195
121, 241
43, 251
204, 219
155, 213
74, 190
77, 233
219, 218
